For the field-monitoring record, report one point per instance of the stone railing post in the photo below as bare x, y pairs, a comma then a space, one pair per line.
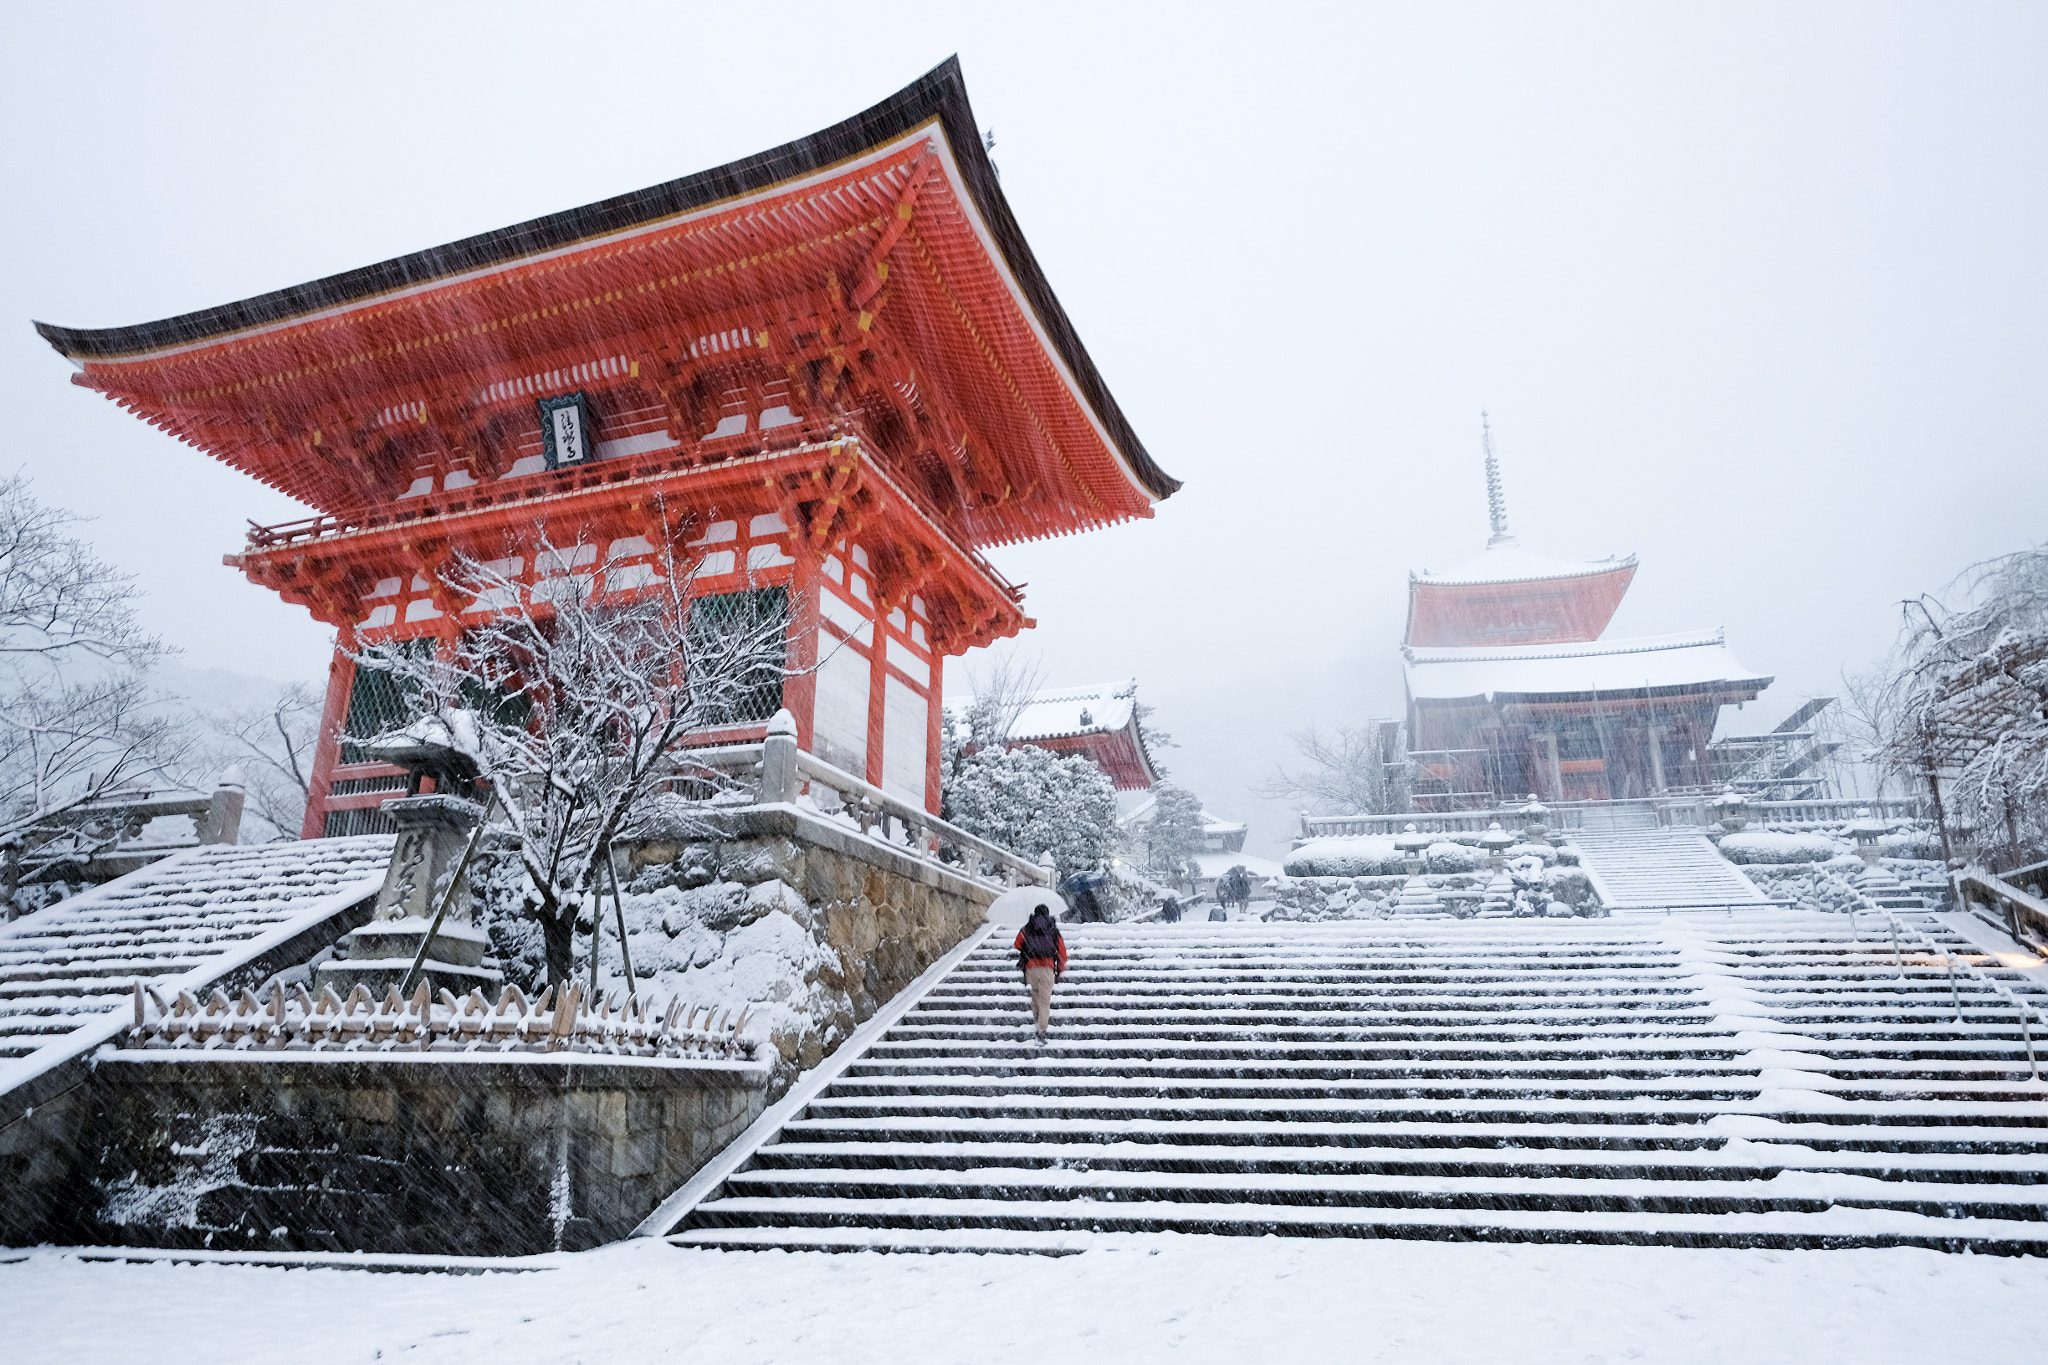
779, 780
222, 823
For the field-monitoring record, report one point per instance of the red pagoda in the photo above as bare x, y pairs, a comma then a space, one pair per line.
1512, 688
834, 369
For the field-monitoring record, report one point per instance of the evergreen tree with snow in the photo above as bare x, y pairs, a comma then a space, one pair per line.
1173, 836
1029, 800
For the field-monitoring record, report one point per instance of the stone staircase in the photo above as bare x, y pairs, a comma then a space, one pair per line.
1652, 867
1752, 1079
67, 971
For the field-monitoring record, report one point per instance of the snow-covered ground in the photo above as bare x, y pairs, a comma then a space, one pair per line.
1151, 1298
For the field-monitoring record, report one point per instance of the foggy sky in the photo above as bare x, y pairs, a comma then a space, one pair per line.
1754, 292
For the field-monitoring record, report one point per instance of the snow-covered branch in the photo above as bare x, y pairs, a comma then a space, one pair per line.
574, 694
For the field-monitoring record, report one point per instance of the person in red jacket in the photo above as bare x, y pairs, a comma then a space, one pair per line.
1042, 953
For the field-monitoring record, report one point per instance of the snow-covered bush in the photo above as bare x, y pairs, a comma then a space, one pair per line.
1763, 846
1572, 886
1445, 856
1371, 855
1915, 843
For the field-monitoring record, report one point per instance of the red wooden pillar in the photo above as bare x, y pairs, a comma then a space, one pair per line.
878, 691
934, 768
800, 683
341, 674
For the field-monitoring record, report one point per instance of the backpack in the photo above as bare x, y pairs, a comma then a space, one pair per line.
1039, 943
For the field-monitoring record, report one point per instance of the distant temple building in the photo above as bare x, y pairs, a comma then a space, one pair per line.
1098, 720
833, 370
1512, 688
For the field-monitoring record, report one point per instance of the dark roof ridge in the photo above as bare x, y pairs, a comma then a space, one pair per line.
941, 91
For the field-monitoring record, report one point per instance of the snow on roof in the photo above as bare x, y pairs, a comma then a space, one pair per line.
1508, 562
1691, 659
1091, 709
68, 969
1216, 864
1211, 823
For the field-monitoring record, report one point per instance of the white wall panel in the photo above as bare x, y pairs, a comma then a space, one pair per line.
906, 719
839, 725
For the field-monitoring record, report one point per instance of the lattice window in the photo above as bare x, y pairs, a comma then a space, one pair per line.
378, 703
721, 619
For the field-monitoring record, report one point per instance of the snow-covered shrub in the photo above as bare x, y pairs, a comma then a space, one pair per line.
1911, 843
1763, 846
1444, 857
1371, 855
1572, 886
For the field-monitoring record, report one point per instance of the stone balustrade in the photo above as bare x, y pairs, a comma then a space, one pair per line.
571, 1021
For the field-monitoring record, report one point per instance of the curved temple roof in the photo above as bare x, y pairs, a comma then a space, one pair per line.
1698, 661
1505, 561
990, 370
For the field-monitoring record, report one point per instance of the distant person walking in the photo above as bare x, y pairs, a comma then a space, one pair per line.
1042, 954
1169, 910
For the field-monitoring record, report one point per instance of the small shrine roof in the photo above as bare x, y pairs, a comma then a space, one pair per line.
1698, 659
1099, 719
1509, 562
1069, 712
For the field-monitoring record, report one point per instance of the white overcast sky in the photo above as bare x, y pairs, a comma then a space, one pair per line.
1754, 291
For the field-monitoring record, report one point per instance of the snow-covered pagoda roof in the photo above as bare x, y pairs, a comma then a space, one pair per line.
1698, 661
1508, 595
1509, 562
1091, 709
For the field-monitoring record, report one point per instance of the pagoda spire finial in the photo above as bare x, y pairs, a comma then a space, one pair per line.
1496, 499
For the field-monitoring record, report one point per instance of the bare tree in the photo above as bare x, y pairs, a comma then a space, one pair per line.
574, 696
78, 719
1351, 771
273, 744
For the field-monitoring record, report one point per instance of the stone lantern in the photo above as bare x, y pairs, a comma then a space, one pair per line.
426, 870
1866, 831
1731, 808
1496, 841
1411, 843
1533, 817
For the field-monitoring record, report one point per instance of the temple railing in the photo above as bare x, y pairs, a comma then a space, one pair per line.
1692, 808
1835, 811
777, 772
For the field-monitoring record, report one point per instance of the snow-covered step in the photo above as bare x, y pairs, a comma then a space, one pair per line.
67, 971
1766, 1078
1652, 867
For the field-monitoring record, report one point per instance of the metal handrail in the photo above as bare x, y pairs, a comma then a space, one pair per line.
1950, 960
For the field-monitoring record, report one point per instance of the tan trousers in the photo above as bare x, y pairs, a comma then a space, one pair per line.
1039, 979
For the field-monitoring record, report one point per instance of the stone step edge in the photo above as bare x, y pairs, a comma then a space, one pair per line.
670, 1213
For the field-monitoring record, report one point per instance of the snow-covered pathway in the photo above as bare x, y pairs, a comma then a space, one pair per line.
1141, 1299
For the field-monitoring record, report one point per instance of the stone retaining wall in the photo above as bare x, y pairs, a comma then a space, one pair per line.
881, 915
459, 1155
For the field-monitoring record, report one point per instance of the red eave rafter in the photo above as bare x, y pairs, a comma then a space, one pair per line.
257, 400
